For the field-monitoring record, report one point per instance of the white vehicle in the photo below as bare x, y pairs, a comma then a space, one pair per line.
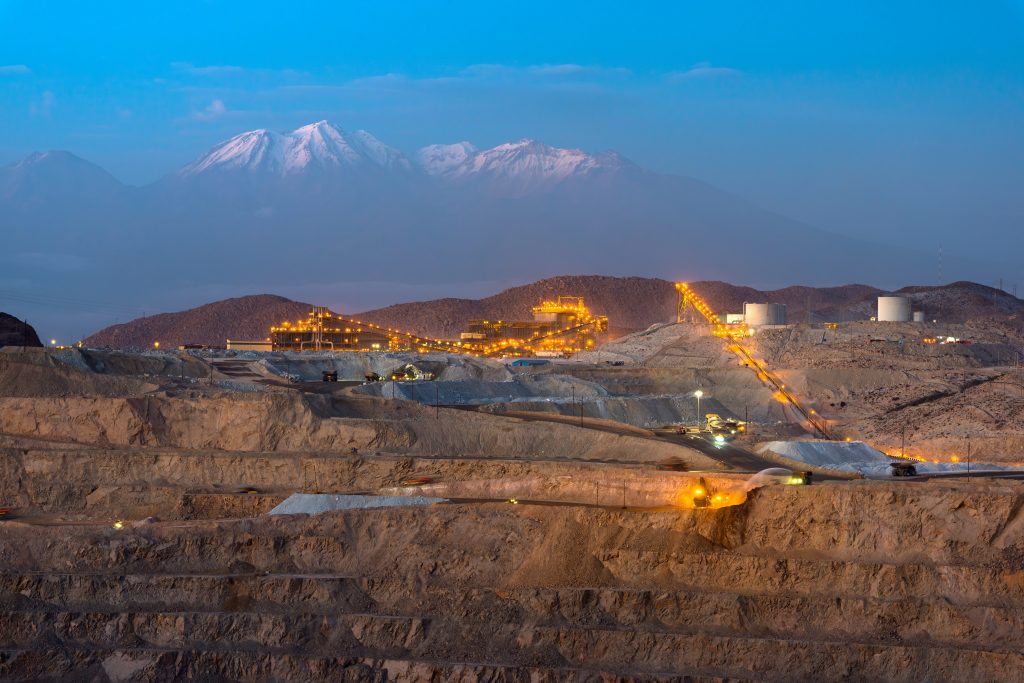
781, 475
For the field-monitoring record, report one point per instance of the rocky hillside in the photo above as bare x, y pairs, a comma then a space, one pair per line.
14, 332
631, 303
960, 301
246, 317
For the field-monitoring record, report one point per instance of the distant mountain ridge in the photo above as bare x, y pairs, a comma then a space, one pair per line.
320, 204
42, 176
322, 147
631, 303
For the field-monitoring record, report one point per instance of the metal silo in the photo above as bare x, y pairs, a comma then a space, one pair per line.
764, 314
894, 309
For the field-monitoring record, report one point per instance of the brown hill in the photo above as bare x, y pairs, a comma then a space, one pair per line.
14, 332
246, 317
631, 303
961, 301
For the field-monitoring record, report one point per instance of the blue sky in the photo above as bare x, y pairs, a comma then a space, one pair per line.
896, 120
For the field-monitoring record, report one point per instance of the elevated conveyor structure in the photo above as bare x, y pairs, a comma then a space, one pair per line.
734, 335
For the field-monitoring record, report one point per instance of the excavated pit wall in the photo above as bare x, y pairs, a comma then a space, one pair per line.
288, 422
103, 484
625, 487
864, 582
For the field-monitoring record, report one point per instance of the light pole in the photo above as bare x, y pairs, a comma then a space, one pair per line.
697, 394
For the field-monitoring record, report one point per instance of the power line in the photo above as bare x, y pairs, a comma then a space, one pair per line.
62, 302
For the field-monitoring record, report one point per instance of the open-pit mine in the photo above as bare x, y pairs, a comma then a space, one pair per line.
716, 497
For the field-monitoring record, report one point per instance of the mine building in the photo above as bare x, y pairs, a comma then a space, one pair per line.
325, 331
560, 326
250, 345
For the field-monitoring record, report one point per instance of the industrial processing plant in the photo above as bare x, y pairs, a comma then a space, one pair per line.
559, 327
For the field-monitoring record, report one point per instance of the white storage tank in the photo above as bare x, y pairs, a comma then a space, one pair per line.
894, 309
918, 316
764, 314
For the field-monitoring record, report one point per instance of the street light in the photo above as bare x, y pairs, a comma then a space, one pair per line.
697, 394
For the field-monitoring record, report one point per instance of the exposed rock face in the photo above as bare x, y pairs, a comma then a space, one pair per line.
14, 332
867, 581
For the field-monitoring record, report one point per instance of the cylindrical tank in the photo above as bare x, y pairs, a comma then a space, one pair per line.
764, 314
918, 316
894, 309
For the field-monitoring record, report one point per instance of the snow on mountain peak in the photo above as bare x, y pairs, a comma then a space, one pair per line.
317, 145
439, 159
376, 150
526, 163
521, 166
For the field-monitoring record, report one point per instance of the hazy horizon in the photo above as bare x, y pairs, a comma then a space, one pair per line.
895, 128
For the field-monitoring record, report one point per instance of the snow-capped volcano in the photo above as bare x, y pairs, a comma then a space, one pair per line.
513, 167
320, 145
526, 164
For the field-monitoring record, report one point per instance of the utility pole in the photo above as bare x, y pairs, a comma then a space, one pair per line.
968, 457
903, 442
